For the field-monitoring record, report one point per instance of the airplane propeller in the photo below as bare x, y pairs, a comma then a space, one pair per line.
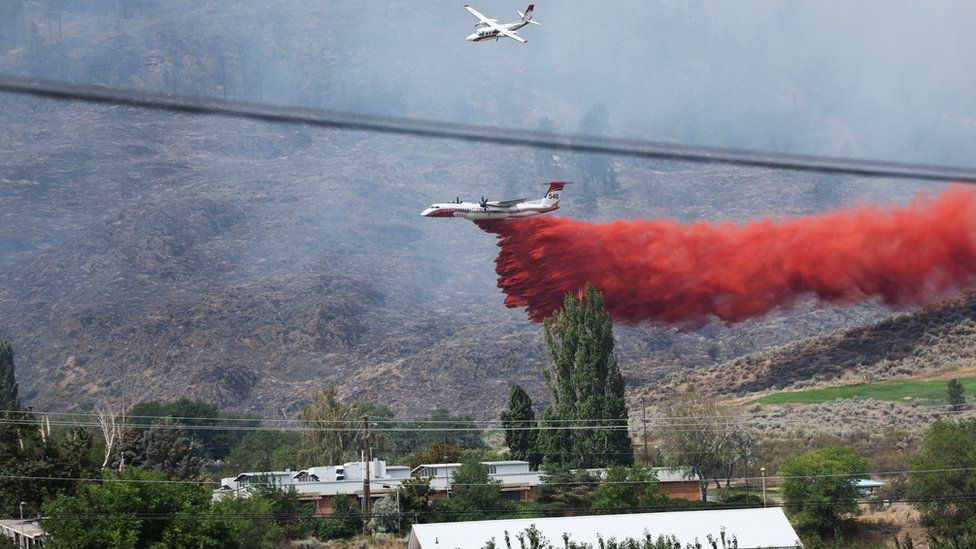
484, 202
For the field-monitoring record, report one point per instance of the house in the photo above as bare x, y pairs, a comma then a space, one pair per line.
516, 481
866, 487
322, 484
24, 533
752, 528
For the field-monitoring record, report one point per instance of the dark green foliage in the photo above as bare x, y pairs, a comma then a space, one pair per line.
474, 496
414, 501
587, 388
417, 434
438, 452
518, 422
263, 451
955, 395
567, 490
171, 451
216, 443
292, 515
25, 452
109, 513
116, 513
346, 520
944, 494
233, 522
8, 379
626, 488
819, 487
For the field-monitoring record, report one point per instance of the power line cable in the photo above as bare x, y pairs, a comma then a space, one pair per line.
629, 147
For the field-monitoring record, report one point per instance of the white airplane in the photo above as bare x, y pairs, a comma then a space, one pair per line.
505, 209
486, 29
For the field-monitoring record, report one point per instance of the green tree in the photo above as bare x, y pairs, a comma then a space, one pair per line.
945, 476
567, 489
320, 445
8, 379
474, 495
438, 452
172, 452
626, 488
25, 452
346, 520
113, 513
199, 419
263, 451
233, 522
955, 395
701, 437
587, 388
414, 500
819, 487
458, 430
519, 424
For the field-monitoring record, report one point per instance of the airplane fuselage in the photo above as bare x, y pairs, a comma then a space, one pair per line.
484, 32
506, 209
474, 211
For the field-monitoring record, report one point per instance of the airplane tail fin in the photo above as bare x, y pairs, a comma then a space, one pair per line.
527, 16
552, 195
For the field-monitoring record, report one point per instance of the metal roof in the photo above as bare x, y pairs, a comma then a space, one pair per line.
753, 528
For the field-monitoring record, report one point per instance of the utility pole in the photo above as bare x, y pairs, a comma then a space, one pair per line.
763, 471
644, 427
367, 502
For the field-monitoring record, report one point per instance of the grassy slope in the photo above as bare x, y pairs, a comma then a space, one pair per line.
885, 390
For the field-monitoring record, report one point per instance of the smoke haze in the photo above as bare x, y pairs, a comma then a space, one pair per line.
683, 274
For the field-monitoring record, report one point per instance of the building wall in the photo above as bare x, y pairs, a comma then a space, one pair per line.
685, 490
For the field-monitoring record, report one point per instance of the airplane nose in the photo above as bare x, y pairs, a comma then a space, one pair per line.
425, 213
471, 37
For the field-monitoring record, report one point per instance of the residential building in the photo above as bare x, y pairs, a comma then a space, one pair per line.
516, 481
752, 529
322, 484
24, 533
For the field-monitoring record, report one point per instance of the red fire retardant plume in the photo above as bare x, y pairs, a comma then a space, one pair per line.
667, 272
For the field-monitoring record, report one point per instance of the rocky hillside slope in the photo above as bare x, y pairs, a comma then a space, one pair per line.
936, 339
148, 255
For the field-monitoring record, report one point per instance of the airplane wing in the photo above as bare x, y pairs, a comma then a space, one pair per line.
510, 34
476, 13
505, 203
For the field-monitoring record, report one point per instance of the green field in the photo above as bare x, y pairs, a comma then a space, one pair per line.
884, 390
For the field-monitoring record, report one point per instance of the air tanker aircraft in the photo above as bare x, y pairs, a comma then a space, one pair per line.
479, 211
486, 29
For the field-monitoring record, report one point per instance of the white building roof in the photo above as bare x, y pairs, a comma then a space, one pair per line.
753, 528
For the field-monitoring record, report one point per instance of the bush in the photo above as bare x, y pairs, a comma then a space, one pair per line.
346, 520
818, 487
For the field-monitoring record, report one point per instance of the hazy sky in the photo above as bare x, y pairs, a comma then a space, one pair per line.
872, 79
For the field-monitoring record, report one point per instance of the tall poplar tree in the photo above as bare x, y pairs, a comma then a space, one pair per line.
586, 425
8, 379
518, 422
